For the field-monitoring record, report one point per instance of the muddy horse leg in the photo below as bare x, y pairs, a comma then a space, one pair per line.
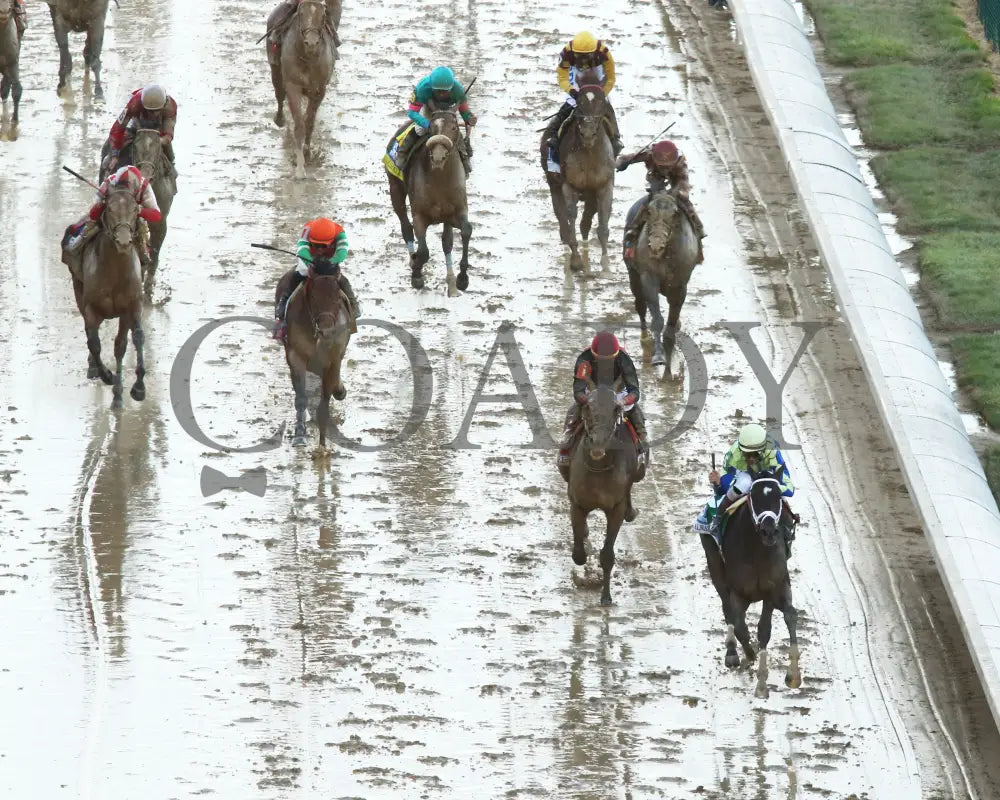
332, 386
447, 243
717, 572
651, 291
763, 638
567, 227
92, 52
638, 294
463, 265
279, 94
793, 677
121, 344
62, 41
675, 300
615, 518
587, 216
92, 327
422, 254
739, 606
297, 367
397, 193
298, 123
604, 202
312, 108
12, 83
578, 519
138, 391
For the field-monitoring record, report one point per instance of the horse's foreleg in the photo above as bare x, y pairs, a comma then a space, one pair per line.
578, 519
567, 227
92, 53
279, 93
312, 108
463, 265
447, 242
615, 518
297, 366
121, 343
422, 254
639, 295
332, 385
651, 291
763, 638
92, 328
138, 391
62, 41
793, 677
397, 193
738, 605
604, 224
295, 108
675, 300
717, 572
587, 217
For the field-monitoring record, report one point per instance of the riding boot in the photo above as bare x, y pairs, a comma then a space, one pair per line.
405, 148
632, 233
551, 137
616, 135
635, 416
465, 153
345, 287
716, 527
280, 329
699, 228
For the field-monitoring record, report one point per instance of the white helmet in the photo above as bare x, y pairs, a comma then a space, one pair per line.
753, 438
154, 97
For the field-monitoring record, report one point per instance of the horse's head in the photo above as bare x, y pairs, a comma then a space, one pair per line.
312, 19
590, 102
766, 504
323, 300
121, 214
443, 137
661, 221
146, 150
601, 416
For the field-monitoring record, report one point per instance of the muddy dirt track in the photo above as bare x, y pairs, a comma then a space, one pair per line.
407, 622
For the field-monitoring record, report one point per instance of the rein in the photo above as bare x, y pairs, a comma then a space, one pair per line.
619, 418
763, 515
313, 317
304, 31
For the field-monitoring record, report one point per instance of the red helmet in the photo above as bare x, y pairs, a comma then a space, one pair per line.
605, 345
665, 154
322, 231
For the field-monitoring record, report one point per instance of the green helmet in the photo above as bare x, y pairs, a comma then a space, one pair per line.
752, 439
442, 78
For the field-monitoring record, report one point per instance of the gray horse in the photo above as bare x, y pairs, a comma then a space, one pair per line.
587, 161
10, 51
303, 70
148, 156
601, 473
108, 285
79, 16
435, 183
665, 256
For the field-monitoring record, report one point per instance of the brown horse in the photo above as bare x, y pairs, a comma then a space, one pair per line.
665, 257
602, 470
147, 154
435, 184
108, 285
302, 71
10, 53
587, 161
79, 16
319, 329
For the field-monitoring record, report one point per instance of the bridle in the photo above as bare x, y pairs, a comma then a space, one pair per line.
675, 219
314, 318
619, 417
318, 30
758, 518
129, 226
139, 163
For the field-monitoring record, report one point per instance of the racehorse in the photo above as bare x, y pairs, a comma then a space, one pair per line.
79, 16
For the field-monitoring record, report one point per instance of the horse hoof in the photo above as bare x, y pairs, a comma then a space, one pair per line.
762, 692
107, 377
99, 92
606, 600
732, 660
576, 264
138, 393
299, 441
340, 395
93, 372
279, 120
579, 557
463, 281
117, 403
631, 514
793, 681
416, 282
659, 360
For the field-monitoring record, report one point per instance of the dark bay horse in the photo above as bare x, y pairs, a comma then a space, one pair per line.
587, 161
79, 16
10, 79
147, 154
752, 568
302, 73
602, 470
319, 329
435, 184
109, 286
665, 257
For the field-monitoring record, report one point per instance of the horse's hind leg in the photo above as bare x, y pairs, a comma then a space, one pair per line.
92, 53
138, 391
463, 265
422, 254
121, 343
763, 638
447, 243
615, 518
279, 94
717, 572
297, 365
397, 193
651, 291
62, 41
332, 385
793, 677
603, 224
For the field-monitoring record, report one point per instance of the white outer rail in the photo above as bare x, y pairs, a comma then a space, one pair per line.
943, 473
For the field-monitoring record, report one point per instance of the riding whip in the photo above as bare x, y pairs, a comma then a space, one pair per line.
80, 177
643, 150
280, 250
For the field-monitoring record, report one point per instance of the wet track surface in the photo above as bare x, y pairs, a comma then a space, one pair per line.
407, 622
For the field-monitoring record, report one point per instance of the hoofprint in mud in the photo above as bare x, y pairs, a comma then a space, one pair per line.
402, 621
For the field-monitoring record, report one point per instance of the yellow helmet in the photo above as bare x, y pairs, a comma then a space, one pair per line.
584, 42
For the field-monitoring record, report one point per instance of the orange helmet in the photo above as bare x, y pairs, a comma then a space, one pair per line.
322, 231
665, 154
605, 345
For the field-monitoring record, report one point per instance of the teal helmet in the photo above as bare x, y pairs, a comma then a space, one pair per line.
442, 78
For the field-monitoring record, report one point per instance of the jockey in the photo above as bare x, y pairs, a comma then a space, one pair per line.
323, 245
582, 53
438, 90
131, 178
604, 355
666, 168
276, 28
20, 17
148, 107
753, 450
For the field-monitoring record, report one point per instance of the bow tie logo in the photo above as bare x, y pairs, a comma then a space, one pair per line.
253, 481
